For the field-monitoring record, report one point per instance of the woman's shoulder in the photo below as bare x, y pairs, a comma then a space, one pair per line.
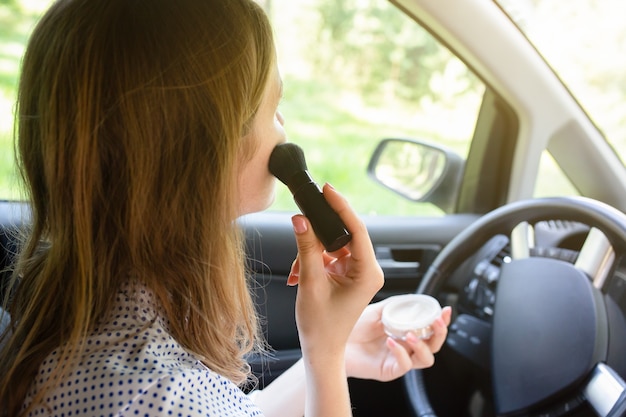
193, 392
110, 387
131, 363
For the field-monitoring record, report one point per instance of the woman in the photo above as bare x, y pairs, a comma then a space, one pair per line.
144, 131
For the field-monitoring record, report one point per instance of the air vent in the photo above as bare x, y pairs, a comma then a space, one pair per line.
560, 225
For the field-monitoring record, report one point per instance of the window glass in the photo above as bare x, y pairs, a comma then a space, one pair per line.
356, 72
17, 19
552, 182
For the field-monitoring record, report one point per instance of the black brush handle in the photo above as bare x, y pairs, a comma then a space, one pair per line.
326, 223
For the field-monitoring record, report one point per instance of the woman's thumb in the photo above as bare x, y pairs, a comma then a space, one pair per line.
305, 237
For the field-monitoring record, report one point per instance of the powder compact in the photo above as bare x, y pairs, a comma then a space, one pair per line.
410, 313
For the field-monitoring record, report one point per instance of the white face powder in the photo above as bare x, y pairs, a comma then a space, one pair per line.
410, 313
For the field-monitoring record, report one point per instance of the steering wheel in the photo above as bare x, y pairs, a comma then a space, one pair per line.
557, 338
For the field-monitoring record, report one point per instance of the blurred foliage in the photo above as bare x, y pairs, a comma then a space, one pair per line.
15, 26
338, 144
373, 47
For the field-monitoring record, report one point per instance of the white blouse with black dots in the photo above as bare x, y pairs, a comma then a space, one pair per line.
133, 367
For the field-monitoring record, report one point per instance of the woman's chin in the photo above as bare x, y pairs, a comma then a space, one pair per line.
257, 206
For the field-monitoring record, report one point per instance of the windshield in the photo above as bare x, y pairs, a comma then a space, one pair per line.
585, 43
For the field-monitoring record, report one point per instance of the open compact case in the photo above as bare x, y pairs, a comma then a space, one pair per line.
410, 313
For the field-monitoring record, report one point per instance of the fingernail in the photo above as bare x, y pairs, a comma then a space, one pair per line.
299, 224
292, 280
330, 186
391, 343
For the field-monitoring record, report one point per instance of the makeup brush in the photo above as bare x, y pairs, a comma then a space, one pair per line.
287, 163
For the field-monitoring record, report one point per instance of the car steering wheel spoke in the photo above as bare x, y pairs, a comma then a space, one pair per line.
522, 240
606, 392
596, 257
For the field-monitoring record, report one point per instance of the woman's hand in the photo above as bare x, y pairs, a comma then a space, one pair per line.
371, 354
333, 288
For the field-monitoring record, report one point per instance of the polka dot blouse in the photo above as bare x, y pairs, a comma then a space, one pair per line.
133, 367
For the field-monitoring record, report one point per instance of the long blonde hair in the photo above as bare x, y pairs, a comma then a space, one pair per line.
132, 119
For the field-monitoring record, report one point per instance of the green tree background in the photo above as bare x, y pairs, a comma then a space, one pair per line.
377, 50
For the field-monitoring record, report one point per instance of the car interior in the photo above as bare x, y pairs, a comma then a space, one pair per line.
537, 283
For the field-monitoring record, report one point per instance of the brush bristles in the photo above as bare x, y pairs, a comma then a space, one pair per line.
286, 160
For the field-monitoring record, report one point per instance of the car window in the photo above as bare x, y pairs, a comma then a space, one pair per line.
354, 73
15, 25
358, 72
559, 184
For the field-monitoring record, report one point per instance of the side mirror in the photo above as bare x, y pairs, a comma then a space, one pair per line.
418, 171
